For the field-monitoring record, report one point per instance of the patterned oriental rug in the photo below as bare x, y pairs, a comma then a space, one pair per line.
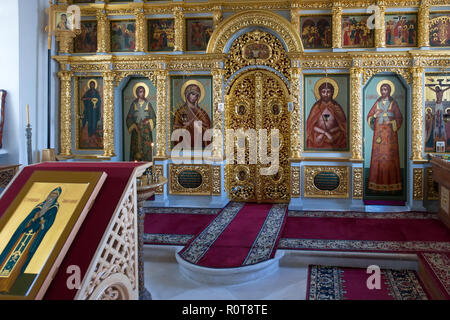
333, 283
240, 235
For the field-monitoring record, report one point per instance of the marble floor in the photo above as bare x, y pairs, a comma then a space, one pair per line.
165, 282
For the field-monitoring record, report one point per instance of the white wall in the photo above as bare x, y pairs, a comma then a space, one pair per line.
9, 78
23, 74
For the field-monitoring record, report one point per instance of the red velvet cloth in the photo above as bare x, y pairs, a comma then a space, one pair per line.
366, 229
85, 243
234, 244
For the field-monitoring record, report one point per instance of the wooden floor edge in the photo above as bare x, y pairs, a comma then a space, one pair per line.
430, 283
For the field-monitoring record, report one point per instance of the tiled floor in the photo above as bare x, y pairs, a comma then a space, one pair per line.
164, 281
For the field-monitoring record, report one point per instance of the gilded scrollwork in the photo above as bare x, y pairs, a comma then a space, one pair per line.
295, 182
277, 59
296, 114
218, 115
242, 20
417, 114
216, 181
119, 76
179, 28
103, 41
161, 139
141, 31
205, 185
380, 29
159, 172
423, 36
311, 189
418, 184
65, 40
432, 186
358, 189
337, 25
108, 114
217, 15
65, 113
356, 114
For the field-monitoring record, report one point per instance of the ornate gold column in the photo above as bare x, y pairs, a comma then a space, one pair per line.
108, 114
65, 40
217, 75
424, 24
296, 114
295, 21
337, 25
179, 29
141, 31
103, 41
380, 29
65, 109
161, 126
417, 114
356, 114
217, 15
258, 121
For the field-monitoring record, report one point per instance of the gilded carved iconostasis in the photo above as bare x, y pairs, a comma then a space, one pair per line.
357, 90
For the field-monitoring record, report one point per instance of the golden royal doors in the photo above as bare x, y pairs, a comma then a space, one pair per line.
258, 131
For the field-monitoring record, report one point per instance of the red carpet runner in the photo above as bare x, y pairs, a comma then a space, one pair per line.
241, 235
368, 232
175, 226
333, 283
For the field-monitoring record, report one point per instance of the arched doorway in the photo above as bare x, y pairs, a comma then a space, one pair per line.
256, 109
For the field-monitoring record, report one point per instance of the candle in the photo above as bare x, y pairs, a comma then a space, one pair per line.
28, 114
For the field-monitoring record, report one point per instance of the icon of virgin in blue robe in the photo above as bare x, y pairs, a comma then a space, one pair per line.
26, 240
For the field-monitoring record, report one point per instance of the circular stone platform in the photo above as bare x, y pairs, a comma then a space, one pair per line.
228, 276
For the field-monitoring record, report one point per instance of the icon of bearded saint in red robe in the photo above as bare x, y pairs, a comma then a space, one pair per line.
326, 126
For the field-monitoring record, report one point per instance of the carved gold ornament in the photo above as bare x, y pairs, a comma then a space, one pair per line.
205, 171
418, 184
358, 188
312, 191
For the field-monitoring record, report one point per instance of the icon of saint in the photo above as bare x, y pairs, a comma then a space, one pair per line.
141, 121
385, 119
92, 111
26, 240
326, 126
190, 113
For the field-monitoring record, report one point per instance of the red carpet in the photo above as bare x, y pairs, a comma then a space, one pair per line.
241, 235
175, 226
333, 283
388, 234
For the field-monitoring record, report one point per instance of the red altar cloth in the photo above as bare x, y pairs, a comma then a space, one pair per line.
88, 238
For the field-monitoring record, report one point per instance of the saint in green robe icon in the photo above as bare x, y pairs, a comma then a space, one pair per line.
26, 240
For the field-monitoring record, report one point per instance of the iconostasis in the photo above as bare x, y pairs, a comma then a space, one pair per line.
358, 92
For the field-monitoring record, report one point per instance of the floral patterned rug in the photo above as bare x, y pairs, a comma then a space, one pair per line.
334, 283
